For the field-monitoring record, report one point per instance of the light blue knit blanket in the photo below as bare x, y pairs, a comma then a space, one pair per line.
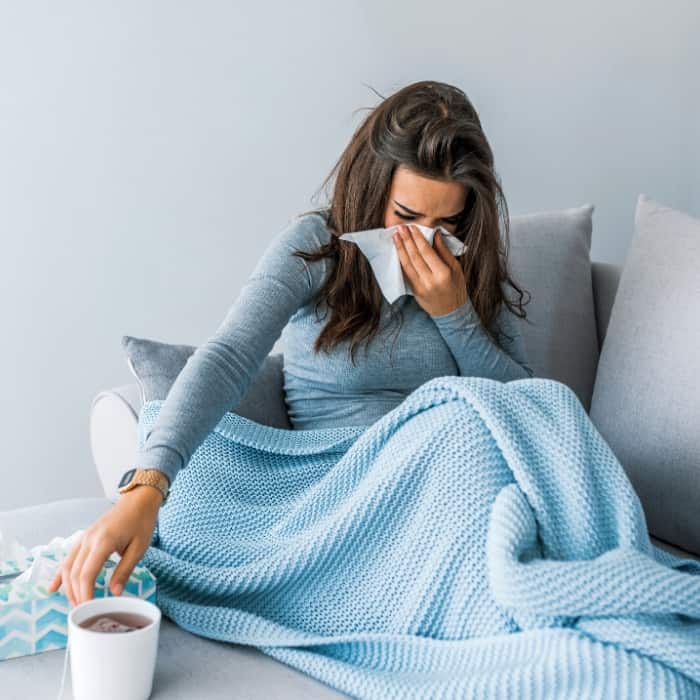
480, 540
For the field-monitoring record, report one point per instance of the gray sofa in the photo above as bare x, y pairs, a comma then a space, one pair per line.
189, 666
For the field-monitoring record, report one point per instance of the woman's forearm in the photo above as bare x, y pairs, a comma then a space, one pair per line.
219, 372
475, 353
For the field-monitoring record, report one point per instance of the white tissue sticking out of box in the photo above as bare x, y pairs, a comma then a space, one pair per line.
45, 561
10, 548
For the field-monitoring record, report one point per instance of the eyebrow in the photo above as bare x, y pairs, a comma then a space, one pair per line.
415, 213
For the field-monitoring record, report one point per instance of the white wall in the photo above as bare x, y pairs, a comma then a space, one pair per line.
695, 109
149, 151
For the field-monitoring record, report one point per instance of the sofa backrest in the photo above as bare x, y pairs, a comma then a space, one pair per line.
605, 278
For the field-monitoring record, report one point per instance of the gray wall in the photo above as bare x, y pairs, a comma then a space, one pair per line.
149, 151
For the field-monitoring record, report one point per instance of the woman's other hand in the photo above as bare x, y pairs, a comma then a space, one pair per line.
126, 528
435, 274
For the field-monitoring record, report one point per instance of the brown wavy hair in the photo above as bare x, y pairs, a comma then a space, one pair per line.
433, 129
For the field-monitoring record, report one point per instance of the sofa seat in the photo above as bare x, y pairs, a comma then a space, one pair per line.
188, 666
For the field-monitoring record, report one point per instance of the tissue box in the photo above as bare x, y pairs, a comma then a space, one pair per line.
33, 620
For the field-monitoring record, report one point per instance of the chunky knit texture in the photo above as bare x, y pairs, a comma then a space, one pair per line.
480, 540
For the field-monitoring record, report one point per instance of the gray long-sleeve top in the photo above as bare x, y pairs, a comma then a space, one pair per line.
321, 390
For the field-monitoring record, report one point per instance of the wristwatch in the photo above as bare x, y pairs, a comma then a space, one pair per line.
153, 477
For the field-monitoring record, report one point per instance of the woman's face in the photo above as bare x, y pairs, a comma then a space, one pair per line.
414, 199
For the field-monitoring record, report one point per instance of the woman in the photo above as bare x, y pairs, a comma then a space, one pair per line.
421, 157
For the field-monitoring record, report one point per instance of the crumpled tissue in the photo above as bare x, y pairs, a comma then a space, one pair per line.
380, 250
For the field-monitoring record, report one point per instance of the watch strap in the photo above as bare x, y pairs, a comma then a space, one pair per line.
152, 477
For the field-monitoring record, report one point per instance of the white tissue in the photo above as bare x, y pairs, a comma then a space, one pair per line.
380, 250
42, 569
10, 548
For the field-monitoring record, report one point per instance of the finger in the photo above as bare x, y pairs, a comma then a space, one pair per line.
444, 251
61, 575
129, 559
75, 572
424, 258
405, 261
414, 253
91, 567
55, 581
66, 566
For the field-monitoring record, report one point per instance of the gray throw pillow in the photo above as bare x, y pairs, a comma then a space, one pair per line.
646, 402
550, 256
157, 365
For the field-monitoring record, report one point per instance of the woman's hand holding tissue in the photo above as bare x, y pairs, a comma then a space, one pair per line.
435, 274
126, 528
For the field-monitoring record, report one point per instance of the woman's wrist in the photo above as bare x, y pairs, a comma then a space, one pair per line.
146, 492
463, 311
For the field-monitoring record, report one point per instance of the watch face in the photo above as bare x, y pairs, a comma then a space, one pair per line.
128, 476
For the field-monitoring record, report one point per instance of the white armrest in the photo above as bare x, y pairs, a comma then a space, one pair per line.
113, 434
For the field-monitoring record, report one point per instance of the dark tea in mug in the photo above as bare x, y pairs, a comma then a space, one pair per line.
115, 622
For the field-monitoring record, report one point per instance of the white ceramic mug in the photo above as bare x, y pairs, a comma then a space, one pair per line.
117, 665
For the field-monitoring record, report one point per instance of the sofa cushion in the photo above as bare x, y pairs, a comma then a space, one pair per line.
550, 257
645, 400
606, 277
114, 418
156, 366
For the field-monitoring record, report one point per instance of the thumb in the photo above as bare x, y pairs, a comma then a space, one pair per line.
126, 565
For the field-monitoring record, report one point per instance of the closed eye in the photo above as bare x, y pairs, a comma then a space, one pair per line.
411, 218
